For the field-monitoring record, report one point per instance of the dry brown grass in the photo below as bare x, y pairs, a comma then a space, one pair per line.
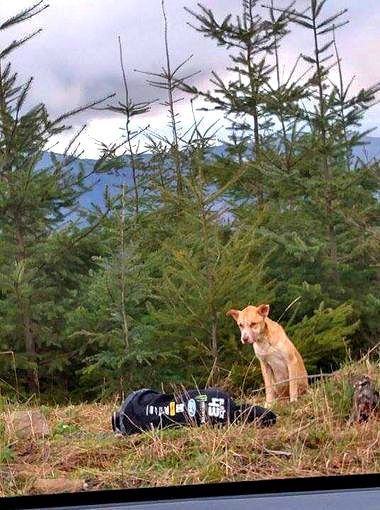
312, 437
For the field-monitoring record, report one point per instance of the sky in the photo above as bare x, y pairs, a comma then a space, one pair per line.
75, 59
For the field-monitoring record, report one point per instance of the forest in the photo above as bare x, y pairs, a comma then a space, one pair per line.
133, 292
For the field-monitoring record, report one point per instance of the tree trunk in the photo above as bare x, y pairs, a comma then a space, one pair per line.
122, 282
24, 307
333, 247
333, 254
30, 347
214, 341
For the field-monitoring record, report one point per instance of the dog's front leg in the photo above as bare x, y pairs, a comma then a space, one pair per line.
270, 395
293, 381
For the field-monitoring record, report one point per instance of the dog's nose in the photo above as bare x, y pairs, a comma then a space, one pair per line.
245, 339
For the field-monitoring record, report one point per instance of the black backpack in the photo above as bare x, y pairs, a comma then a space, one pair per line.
146, 409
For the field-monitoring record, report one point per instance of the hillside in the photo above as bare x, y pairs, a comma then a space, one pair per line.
312, 437
97, 183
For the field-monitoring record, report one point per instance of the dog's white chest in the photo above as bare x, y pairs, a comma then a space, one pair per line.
274, 358
263, 350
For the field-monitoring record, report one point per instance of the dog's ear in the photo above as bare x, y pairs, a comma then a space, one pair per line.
263, 310
233, 313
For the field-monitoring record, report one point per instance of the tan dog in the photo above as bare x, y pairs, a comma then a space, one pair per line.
279, 359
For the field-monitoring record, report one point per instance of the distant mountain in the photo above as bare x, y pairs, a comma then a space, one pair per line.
369, 151
98, 182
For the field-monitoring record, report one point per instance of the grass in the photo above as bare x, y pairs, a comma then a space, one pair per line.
312, 437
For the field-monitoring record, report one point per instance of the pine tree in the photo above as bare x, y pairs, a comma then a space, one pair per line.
249, 98
169, 80
320, 205
331, 119
207, 268
321, 338
130, 145
109, 321
35, 198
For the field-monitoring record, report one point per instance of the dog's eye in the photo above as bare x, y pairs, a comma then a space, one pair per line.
253, 324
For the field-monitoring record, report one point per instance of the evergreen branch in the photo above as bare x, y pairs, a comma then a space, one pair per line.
94, 226
303, 23
126, 90
319, 8
20, 103
291, 13
130, 111
15, 44
301, 76
73, 140
228, 184
333, 27
24, 15
182, 64
331, 19
326, 46
80, 109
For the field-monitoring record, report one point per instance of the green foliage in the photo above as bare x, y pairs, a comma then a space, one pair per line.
339, 394
6, 454
35, 198
112, 335
321, 338
62, 429
135, 293
208, 269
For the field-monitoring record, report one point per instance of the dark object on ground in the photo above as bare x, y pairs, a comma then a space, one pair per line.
146, 409
366, 399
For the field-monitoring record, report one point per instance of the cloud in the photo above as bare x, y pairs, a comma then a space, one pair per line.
78, 49
75, 59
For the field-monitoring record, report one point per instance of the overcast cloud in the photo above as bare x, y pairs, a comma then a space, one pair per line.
75, 59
